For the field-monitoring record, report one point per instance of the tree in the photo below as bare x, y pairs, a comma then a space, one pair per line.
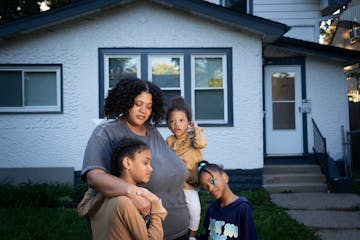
14, 9
327, 30
11, 10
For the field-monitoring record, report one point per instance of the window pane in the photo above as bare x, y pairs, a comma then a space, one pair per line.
283, 115
169, 94
165, 71
10, 89
209, 105
120, 68
208, 72
283, 87
40, 89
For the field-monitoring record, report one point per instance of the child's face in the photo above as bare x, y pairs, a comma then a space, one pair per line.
215, 184
178, 123
140, 168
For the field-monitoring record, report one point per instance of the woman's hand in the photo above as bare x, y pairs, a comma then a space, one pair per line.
139, 198
111, 186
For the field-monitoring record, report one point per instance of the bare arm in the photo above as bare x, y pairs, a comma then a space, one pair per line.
111, 186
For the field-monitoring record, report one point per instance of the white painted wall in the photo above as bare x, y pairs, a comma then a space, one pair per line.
303, 16
326, 87
59, 140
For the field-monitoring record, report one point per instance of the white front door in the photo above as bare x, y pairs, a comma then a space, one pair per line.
283, 118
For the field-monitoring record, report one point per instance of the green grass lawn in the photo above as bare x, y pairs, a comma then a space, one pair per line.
33, 211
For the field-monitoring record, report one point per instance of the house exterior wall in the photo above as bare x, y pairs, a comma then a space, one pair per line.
59, 140
326, 87
302, 16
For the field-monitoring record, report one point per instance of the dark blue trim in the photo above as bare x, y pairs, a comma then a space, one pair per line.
187, 52
251, 6
101, 83
291, 61
245, 179
301, 47
19, 65
187, 81
263, 104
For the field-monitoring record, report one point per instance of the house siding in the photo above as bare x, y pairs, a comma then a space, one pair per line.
326, 87
303, 16
59, 140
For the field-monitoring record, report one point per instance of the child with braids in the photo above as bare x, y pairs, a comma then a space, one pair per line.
229, 216
187, 141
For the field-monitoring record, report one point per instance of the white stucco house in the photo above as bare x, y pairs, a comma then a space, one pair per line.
253, 83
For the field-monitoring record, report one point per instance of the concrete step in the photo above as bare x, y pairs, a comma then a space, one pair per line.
294, 178
295, 187
287, 169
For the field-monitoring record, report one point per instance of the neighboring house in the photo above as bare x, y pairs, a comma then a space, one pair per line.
56, 68
347, 35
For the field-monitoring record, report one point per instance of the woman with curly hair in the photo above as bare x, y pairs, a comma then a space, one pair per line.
136, 107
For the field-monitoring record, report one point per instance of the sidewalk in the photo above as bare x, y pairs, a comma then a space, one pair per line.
334, 216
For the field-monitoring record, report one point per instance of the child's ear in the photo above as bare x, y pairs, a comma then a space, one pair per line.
126, 163
225, 177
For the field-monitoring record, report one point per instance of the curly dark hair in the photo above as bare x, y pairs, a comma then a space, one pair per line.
127, 147
178, 104
121, 98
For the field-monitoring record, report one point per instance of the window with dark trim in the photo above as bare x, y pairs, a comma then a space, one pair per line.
30, 88
202, 76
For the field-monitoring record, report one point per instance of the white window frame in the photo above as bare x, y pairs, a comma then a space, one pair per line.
224, 87
106, 68
36, 109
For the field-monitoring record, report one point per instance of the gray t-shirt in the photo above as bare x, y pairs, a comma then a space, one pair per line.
167, 178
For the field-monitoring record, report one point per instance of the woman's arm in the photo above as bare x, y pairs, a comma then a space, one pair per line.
111, 186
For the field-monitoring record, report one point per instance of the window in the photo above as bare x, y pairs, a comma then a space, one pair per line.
30, 88
202, 76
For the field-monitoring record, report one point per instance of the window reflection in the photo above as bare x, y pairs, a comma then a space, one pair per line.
283, 87
165, 71
283, 100
208, 72
123, 67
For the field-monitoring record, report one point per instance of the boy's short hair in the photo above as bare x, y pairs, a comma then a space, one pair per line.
126, 147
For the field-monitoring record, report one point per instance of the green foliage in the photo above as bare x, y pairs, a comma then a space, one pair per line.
39, 195
41, 224
215, 82
22, 218
327, 31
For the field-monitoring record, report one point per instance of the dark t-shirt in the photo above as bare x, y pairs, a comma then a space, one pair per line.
167, 178
234, 221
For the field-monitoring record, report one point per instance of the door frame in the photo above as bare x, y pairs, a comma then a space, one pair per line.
300, 61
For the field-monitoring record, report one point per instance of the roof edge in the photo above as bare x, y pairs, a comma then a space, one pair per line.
269, 30
344, 55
